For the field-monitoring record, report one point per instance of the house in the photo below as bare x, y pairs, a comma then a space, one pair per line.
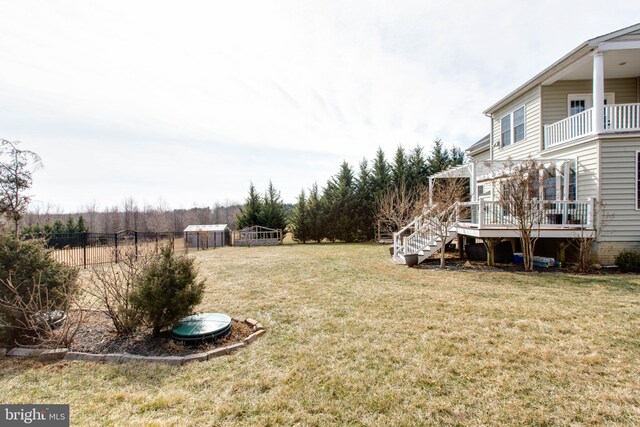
580, 118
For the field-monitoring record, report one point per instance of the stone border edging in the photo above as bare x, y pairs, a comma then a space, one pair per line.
64, 353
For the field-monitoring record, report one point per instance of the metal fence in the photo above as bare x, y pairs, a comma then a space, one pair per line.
85, 249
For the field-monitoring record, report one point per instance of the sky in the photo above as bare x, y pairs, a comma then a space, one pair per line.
186, 103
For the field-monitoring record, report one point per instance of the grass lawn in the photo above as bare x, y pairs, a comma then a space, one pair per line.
354, 339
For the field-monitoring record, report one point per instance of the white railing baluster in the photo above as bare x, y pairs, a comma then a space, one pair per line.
622, 117
570, 128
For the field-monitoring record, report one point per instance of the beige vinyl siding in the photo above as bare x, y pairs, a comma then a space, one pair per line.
618, 188
481, 156
586, 156
530, 145
555, 96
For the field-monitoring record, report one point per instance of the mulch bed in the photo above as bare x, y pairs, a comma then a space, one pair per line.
97, 335
458, 264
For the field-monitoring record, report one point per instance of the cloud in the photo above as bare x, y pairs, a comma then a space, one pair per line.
259, 90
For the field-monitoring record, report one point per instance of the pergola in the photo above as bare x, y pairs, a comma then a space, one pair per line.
493, 170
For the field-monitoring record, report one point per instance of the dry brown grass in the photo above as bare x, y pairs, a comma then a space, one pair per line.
353, 339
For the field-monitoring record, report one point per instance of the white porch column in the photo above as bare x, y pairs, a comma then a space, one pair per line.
472, 183
567, 180
598, 92
559, 176
430, 191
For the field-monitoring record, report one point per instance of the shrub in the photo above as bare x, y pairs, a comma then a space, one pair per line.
114, 284
628, 261
32, 286
167, 290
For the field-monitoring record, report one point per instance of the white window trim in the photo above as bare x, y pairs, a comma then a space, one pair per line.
636, 167
512, 129
609, 96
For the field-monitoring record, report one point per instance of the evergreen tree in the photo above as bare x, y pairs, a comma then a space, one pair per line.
400, 168
341, 206
418, 168
366, 203
457, 156
273, 211
314, 214
250, 213
300, 226
380, 175
58, 227
439, 159
71, 225
80, 226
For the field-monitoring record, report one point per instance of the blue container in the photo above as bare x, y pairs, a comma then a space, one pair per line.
518, 258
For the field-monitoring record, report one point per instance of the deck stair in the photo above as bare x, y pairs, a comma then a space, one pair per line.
420, 236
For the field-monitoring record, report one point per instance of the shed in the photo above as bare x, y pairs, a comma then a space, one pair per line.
258, 236
207, 236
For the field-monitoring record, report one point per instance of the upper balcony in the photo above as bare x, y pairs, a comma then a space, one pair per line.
617, 118
597, 93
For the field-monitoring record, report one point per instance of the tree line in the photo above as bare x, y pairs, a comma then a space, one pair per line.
346, 208
129, 215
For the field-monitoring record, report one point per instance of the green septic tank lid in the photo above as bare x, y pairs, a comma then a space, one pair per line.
200, 327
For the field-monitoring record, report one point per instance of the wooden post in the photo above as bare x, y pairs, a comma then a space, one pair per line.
461, 246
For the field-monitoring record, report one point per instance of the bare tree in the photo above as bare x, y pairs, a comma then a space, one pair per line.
113, 284
130, 214
399, 206
91, 210
519, 198
441, 210
586, 237
16, 176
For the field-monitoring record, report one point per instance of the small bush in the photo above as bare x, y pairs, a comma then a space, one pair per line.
32, 285
167, 290
628, 261
114, 284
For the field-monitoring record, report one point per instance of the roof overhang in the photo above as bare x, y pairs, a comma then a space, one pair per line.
571, 62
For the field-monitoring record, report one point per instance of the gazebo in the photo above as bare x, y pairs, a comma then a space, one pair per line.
257, 236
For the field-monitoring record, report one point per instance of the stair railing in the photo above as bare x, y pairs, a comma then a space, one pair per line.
413, 225
426, 234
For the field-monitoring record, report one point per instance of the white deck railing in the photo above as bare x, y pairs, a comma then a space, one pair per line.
570, 128
617, 118
622, 117
548, 213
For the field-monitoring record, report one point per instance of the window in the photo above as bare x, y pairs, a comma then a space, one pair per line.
483, 190
512, 127
505, 128
577, 106
577, 103
518, 124
572, 184
549, 186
